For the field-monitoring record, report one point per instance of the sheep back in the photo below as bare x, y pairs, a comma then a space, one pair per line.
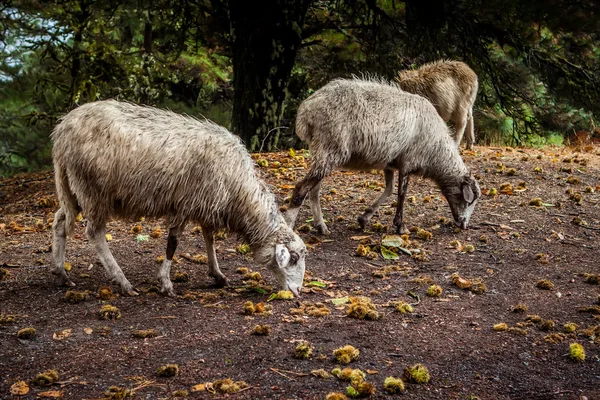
131, 161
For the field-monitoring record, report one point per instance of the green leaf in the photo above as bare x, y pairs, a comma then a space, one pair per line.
273, 296
388, 254
261, 290
391, 241
548, 205
316, 283
405, 251
340, 300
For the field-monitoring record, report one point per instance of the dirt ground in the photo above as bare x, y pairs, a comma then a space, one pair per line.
510, 246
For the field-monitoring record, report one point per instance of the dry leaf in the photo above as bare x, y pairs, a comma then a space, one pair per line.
88, 331
372, 372
51, 394
208, 386
19, 388
359, 237
462, 283
62, 334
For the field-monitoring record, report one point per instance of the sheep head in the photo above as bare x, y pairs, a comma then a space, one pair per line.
284, 254
462, 198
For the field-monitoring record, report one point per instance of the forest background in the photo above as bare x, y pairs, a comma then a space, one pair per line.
247, 65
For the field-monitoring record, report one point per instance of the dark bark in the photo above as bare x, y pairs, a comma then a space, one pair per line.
265, 41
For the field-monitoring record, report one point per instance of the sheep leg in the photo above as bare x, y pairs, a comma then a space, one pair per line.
300, 191
315, 206
96, 234
59, 240
389, 187
213, 265
460, 122
402, 188
470, 130
164, 271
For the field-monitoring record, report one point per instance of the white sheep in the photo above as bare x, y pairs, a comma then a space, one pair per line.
370, 124
119, 159
451, 86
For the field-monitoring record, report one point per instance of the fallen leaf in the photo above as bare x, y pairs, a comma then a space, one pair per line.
340, 300
51, 394
392, 241
19, 388
62, 334
68, 266
108, 237
359, 237
88, 331
372, 372
388, 254
142, 238
316, 283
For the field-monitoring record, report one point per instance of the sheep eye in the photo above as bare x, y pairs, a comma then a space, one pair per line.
294, 257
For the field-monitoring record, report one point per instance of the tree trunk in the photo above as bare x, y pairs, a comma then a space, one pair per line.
266, 36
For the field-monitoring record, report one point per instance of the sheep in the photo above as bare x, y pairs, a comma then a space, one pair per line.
452, 88
367, 124
118, 159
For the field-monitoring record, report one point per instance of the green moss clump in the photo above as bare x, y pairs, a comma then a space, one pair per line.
109, 312
393, 385
74, 296
536, 319
469, 248
144, 333
3, 273
537, 202
243, 248
7, 319
105, 293
181, 277
593, 279
117, 393
434, 291
417, 373
500, 327
545, 284
577, 352
26, 333
262, 330
362, 308
336, 396
363, 389
229, 386
517, 331
346, 354
46, 378
168, 370
424, 235
303, 350
569, 327
519, 308
547, 325
555, 338
404, 308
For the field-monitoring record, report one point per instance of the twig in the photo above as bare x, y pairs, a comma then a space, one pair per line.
165, 317
292, 372
282, 374
590, 227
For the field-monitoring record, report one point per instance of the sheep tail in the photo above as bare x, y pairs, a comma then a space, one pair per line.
66, 198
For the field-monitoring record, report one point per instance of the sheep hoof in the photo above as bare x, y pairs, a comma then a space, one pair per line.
168, 292
131, 292
63, 280
362, 221
322, 229
401, 230
220, 282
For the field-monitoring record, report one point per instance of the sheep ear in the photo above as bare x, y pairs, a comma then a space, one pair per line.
282, 255
467, 192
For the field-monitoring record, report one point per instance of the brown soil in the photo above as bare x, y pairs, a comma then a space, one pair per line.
206, 334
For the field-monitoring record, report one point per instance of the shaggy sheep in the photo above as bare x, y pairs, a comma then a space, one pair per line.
451, 86
368, 124
119, 159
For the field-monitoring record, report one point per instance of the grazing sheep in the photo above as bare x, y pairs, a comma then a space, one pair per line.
368, 124
451, 86
119, 159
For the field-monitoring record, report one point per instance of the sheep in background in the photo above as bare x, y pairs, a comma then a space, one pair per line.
451, 86
119, 159
368, 124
